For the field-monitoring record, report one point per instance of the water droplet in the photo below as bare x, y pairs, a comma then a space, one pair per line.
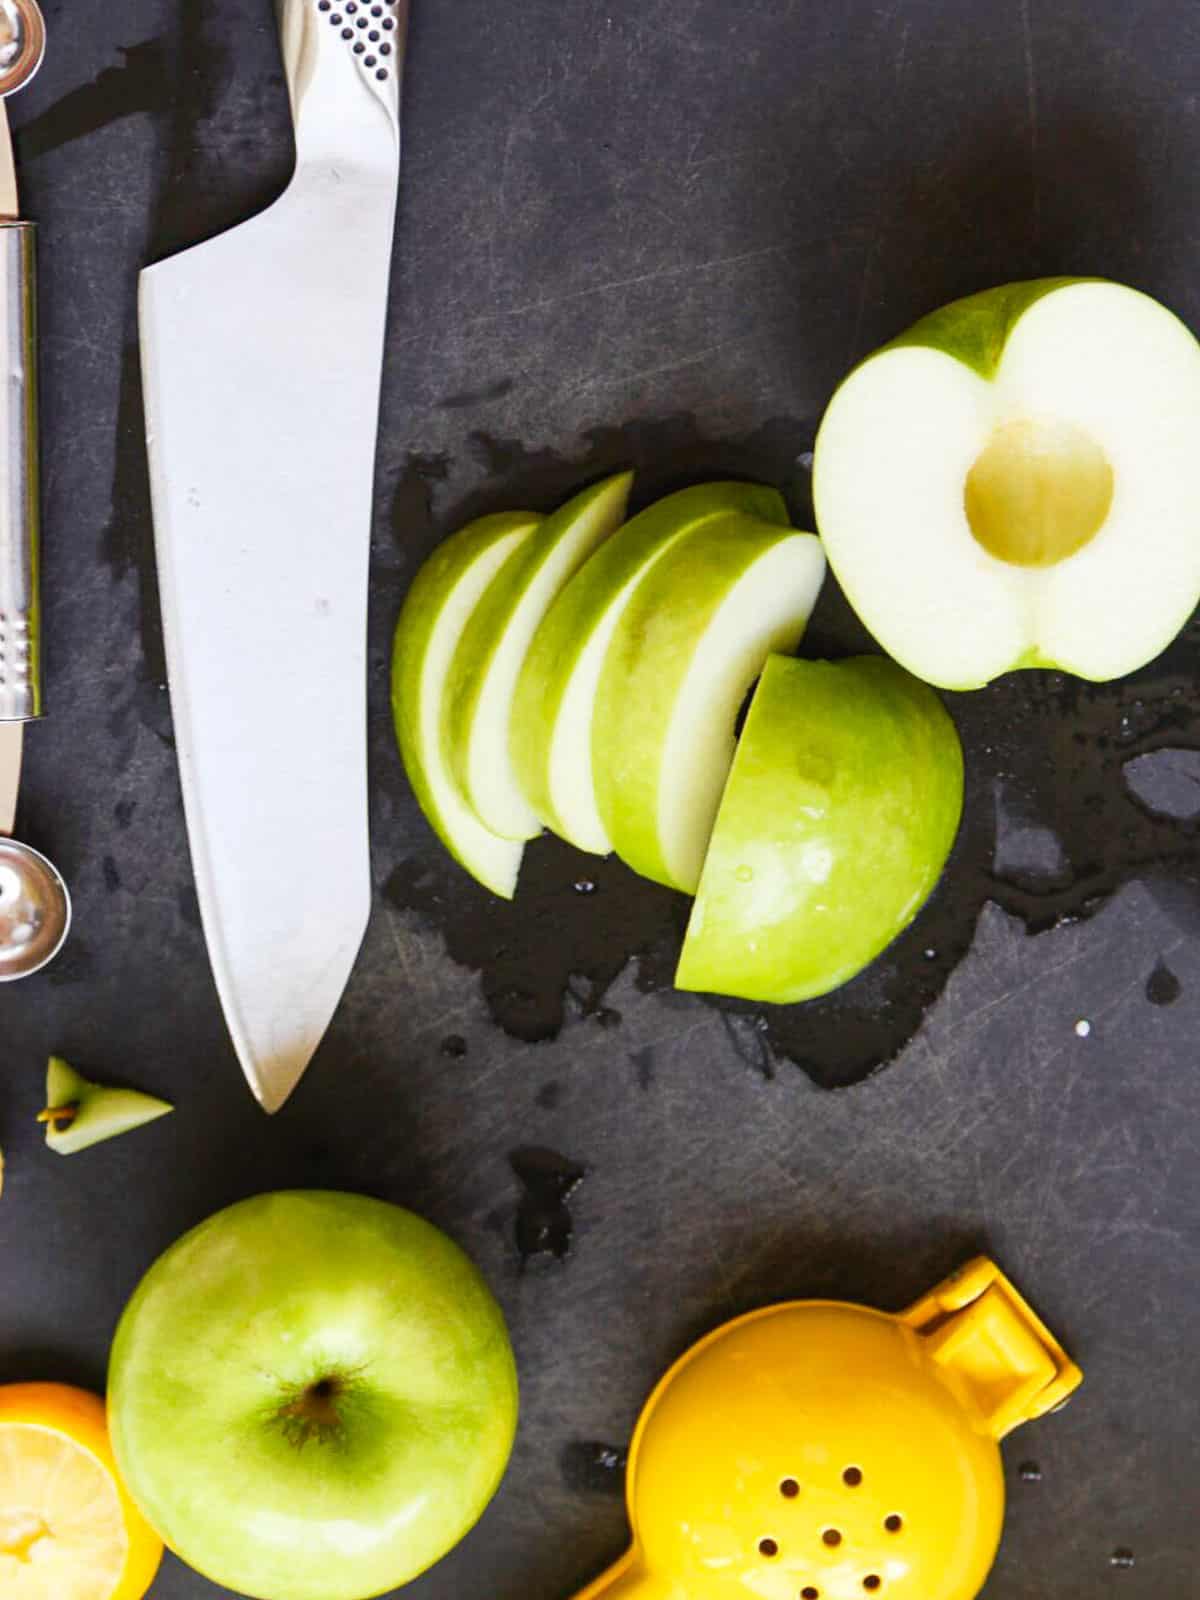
1162, 986
1083, 1027
930, 953
584, 886
744, 874
1030, 1472
1121, 1557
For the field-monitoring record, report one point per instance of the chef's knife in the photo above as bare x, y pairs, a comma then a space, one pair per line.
262, 354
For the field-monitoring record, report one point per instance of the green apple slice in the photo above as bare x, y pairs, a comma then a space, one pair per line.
80, 1114
551, 739
478, 710
439, 606
1014, 483
686, 650
842, 806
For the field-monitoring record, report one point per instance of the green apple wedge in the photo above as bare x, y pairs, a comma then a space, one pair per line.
80, 1113
478, 708
684, 655
1014, 483
551, 736
840, 812
438, 607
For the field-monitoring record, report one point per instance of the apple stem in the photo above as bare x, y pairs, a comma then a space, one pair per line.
61, 1116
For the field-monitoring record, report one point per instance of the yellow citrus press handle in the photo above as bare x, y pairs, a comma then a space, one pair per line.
629, 1580
999, 1353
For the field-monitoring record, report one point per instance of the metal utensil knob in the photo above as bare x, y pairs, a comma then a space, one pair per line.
22, 43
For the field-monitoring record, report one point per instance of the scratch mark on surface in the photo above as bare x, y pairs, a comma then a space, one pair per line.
683, 268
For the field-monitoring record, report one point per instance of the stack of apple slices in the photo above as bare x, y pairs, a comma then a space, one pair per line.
585, 673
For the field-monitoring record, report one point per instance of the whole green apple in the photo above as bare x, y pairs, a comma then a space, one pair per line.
312, 1396
840, 811
1014, 483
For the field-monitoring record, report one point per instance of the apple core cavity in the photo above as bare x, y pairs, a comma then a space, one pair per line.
1038, 492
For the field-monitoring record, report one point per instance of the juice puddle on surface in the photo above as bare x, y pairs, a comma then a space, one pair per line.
1072, 790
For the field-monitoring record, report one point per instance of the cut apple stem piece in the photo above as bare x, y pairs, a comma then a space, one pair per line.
481, 687
80, 1114
554, 710
686, 651
60, 1116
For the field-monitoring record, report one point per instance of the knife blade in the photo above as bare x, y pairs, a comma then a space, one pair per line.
262, 357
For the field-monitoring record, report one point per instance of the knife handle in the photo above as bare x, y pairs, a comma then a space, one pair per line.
343, 61
20, 609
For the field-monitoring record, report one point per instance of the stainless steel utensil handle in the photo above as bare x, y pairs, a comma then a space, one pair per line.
20, 610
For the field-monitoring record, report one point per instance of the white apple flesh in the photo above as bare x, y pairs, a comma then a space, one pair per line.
1016, 483
688, 646
477, 713
440, 604
555, 705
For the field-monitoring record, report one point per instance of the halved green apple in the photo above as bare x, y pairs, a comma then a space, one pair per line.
688, 646
554, 709
80, 1114
842, 806
438, 607
478, 706
1016, 482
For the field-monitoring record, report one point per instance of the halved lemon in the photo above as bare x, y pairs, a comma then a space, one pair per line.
68, 1530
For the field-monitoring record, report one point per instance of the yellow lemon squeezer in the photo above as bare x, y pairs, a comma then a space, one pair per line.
823, 1451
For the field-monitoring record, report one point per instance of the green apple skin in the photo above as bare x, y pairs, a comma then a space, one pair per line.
975, 333
436, 610
100, 1113
312, 1396
557, 686
841, 809
479, 706
976, 329
663, 645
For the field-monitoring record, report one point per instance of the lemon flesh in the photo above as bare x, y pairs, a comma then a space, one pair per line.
62, 1531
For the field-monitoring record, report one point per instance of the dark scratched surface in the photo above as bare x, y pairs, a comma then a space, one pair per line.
653, 233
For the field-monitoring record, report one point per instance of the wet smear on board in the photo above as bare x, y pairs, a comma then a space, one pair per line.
1080, 763
140, 83
544, 1222
1163, 988
590, 1467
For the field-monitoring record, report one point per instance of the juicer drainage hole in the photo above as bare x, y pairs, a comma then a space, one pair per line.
767, 1547
893, 1524
852, 1477
831, 1537
810, 1593
789, 1488
872, 1582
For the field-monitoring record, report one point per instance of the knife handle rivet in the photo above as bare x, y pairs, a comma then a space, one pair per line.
347, 33
324, 5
